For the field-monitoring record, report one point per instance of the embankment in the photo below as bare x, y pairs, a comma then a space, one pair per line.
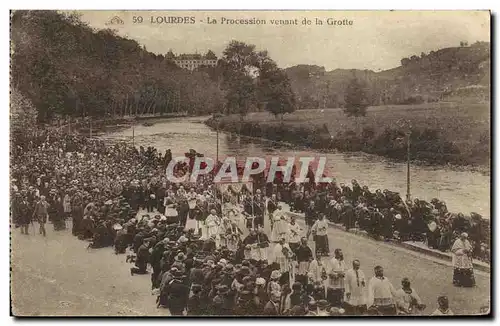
429, 144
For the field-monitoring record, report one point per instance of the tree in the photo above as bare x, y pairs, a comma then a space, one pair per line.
405, 61
210, 55
64, 67
275, 91
355, 99
170, 55
239, 65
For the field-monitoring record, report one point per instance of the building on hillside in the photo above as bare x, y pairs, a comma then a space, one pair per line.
194, 61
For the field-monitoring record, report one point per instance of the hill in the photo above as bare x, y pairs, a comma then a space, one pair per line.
64, 67
450, 74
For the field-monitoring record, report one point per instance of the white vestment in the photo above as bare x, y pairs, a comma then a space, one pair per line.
356, 285
460, 259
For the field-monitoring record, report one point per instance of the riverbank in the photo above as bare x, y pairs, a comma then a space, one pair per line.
112, 124
442, 134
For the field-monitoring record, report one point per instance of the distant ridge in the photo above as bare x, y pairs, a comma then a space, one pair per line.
449, 74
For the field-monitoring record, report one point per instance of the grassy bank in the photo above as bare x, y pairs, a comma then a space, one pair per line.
442, 133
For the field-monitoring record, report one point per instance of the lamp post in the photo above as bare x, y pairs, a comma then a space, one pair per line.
217, 155
408, 142
406, 125
90, 132
217, 121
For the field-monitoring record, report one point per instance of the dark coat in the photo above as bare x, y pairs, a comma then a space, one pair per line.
177, 295
270, 309
196, 306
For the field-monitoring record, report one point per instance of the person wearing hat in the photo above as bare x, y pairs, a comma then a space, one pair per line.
222, 304
294, 298
463, 273
155, 262
443, 307
196, 305
120, 241
323, 308
40, 214
262, 297
177, 294
312, 308
142, 259
21, 212
246, 303
273, 285
334, 311
76, 213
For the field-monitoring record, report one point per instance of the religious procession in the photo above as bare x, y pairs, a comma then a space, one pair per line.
225, 249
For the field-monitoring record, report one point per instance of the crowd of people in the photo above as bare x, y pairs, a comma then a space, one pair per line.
233, 250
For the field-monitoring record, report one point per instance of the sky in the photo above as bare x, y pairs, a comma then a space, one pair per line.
376, 40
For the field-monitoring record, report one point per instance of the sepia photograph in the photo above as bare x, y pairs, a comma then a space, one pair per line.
267, 163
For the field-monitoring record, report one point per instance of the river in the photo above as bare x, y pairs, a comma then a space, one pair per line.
463, 191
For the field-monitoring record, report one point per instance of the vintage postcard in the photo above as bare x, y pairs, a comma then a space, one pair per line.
250, 163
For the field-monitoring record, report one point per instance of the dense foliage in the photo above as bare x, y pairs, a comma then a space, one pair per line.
355, 99
66, 68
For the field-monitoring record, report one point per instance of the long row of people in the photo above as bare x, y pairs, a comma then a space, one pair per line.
102, 188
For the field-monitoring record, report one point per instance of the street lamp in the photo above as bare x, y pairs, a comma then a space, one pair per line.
408, 143
216, 117
406, 125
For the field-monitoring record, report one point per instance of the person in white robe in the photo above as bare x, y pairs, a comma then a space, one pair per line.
463, 273
355, 289
237, 217
212, 224
320, 235
222, 232
280, 225
318, 274
191, 224
283, 256
181, 192
233, 236
317, 271
407, 300
294, 235
336, 279
443, 307
191, 198
381, 293
67, 205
